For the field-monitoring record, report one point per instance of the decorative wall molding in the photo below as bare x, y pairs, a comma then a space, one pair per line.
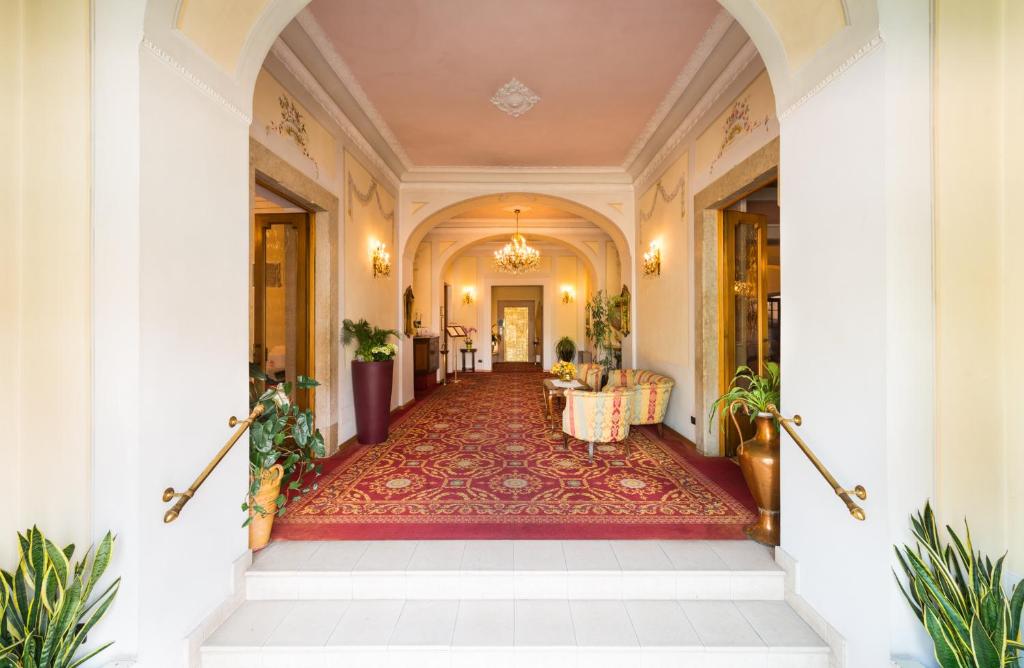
372, 194
729, 75
515, 98
292, 125
322, 43
188, 75
864, 50
714, 34
667, 198
291, 62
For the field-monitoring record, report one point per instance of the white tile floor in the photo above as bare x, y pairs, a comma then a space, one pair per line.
736, 570
515, 603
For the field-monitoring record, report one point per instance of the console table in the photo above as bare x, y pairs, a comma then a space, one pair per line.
472, 359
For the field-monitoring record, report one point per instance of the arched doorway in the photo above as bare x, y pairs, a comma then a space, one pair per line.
189, 137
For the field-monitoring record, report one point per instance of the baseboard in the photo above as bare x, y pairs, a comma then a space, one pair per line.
812, 617
195, 640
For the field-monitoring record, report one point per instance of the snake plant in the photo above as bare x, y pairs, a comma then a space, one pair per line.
958, 595
45, 603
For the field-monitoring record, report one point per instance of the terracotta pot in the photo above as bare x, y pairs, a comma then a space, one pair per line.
266, 498
759, 461
371, 387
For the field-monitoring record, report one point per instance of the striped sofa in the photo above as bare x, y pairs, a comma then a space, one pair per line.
650, 401
597, 417
590, 374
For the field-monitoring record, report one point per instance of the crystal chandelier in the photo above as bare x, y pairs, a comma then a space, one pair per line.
517, 257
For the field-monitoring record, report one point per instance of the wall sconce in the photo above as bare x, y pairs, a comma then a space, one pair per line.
381, 260
568, 294
468, 296
652, 260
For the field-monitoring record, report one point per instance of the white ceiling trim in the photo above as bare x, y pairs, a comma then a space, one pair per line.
442, 173
319, 39
714, 34
291, 62
740, 61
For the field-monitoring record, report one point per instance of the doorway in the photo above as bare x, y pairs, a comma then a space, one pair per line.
282, 345
517, 317
751, 299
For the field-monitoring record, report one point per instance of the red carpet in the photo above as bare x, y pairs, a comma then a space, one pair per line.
477, 460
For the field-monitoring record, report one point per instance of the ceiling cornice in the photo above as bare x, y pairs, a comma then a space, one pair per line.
319, 39
715, 32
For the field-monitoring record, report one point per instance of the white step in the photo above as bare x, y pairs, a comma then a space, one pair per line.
514, 633
528, 569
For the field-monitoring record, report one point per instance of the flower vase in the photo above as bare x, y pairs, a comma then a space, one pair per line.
759, 462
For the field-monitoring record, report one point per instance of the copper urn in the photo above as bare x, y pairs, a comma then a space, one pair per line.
759, 461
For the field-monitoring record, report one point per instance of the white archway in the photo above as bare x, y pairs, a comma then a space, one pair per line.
170, 225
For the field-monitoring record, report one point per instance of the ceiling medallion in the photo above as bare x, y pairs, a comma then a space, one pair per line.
517, 257
514, 98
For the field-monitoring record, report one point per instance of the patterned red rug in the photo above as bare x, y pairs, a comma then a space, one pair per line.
478, 460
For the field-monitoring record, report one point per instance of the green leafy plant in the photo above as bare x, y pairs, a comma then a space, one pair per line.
372, 343
749, 391
565, 349
283, 434
45, 603
958, 595
599, 328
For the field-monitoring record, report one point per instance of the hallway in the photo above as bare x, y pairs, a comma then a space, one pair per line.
478, 459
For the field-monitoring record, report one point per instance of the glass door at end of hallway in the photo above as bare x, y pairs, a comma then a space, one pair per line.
282, 310
744, 307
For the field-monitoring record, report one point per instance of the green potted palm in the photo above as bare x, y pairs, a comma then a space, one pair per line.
372, 371
756, 395
284, 445
958, 595
565, 349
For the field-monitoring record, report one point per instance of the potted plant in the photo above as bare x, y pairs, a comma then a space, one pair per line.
468, 341
284, 445
600, 331
45, 608
755, 394
565, 349
958, 595
372, 371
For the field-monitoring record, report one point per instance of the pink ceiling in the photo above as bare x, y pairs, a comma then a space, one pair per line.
600, 67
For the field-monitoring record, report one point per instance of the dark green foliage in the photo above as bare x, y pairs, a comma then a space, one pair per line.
958, 595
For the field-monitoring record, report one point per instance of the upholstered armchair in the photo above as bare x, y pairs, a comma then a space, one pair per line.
591, 375
597, 417
650, 401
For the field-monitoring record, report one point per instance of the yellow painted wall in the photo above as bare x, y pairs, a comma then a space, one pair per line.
423, 304
45, 269
461, 273
980, 449
316, 157
365, 223
220, 27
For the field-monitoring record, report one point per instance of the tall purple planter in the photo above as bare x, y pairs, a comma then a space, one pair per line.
371, 389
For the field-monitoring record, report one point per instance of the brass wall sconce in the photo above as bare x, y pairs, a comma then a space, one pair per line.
381, 260
468, 296
568, 294
652, 260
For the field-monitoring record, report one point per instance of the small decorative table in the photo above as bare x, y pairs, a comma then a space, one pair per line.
472, 359
552, 391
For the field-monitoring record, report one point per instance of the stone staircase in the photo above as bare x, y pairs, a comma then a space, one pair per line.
514, 603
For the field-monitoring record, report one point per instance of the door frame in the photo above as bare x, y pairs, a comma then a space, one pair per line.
305, 353
531, 307
751, 174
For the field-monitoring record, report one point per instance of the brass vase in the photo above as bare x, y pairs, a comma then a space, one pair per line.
759, 461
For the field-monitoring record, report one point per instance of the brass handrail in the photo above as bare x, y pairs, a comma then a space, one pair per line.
841, 492
184, 497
